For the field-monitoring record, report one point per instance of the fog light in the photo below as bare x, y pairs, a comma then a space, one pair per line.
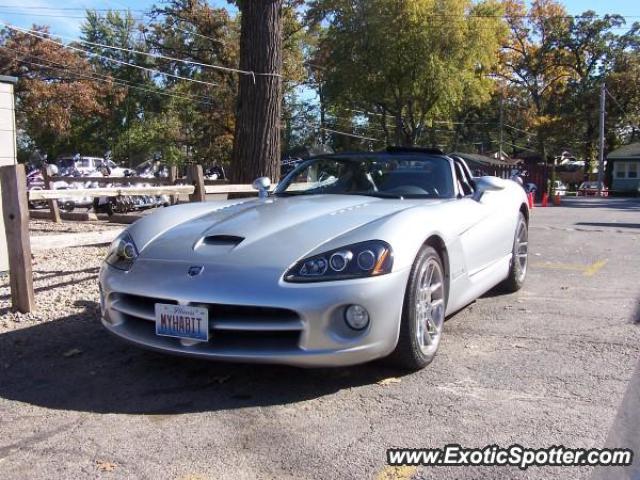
356, 317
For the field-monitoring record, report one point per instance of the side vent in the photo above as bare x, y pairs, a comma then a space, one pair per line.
222, 240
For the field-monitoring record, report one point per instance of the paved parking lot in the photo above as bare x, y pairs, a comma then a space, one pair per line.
546, 366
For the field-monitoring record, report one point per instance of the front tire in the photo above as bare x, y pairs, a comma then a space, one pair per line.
519, 257
423, 312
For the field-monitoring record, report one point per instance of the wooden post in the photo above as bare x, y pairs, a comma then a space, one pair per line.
195, 175
173, 175
15, 208
53, 203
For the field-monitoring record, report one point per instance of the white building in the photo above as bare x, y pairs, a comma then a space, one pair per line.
7, 149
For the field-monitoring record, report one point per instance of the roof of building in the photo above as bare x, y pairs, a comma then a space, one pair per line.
6, 79
627, 151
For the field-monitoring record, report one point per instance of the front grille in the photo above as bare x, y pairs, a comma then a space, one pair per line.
230, 326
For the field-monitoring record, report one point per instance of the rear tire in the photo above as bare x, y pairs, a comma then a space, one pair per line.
519, 257
422, 313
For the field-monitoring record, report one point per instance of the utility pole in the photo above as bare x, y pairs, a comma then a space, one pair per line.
603, 92
500, 141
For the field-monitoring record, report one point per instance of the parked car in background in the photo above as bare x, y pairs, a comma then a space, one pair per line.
150, 169
559, 187
35, 181
215, 173
79, 165
112, 169
590, 189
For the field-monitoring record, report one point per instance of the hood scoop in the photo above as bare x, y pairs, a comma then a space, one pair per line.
214, 245
222, 240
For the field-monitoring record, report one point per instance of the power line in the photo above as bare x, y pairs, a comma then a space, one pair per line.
433, 14
624, 113
32, 7
197, 34
50, 15
516, 146
353, 135
110, 81
109, 59
517, 129
105, 79
156, 56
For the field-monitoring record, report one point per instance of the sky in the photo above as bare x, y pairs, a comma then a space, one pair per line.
65, 18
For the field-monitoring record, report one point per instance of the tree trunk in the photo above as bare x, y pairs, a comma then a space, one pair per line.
256, 146
398, 118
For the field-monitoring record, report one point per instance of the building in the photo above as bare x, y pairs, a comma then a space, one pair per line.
624, 164
7, 150
488, 165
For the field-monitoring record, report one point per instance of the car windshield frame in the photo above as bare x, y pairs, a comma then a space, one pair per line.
281, 189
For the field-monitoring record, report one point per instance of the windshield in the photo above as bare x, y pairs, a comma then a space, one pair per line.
391, 176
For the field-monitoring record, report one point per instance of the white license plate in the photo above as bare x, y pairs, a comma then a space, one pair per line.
182, 321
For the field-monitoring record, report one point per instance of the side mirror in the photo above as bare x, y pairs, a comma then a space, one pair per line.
487, 184
262, 184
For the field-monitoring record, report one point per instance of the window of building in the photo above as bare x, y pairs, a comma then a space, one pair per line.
632, 170
620, 169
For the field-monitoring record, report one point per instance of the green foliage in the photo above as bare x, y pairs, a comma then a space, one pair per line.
398, 71
412, 61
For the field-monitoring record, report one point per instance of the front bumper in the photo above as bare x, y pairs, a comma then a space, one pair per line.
256, 317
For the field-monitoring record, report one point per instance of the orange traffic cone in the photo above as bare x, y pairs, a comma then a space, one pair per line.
545, 199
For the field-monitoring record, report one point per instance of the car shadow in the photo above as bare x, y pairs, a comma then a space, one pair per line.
74, 364
46, 288
615, 203
608, 224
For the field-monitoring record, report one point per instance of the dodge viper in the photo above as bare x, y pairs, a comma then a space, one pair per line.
352, 257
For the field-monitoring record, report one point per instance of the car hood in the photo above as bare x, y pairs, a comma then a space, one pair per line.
277, 231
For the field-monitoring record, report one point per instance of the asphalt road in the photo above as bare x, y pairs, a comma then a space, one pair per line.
546, 366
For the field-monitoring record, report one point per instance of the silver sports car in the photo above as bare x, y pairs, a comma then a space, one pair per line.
352, 257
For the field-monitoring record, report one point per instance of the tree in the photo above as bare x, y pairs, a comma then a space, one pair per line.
533, 60
256, 147
623, 85
409, 62
591, 47
60, 96
121, 30
192, 30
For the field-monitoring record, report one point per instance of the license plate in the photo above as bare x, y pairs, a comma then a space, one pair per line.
182, 321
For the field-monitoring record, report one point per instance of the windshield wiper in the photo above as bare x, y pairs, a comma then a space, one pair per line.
379, 194
291, 194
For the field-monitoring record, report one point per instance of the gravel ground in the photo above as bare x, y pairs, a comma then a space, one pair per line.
63, 279
61, 276
46, 227
546, 366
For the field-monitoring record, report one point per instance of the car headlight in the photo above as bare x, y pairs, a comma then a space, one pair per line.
364, 259
122, 252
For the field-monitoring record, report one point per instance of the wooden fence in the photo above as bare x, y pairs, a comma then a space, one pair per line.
194, 185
